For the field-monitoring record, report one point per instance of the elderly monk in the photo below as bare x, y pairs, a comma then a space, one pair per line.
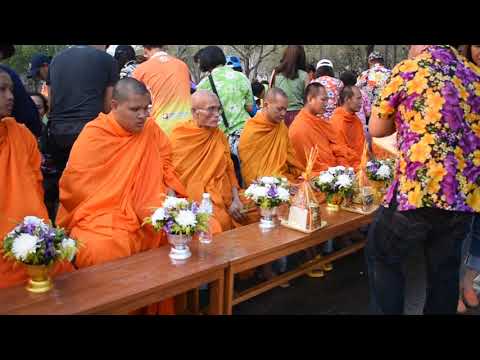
346, 123
264, 146
201, 156
20, 181
310, 128
118, 171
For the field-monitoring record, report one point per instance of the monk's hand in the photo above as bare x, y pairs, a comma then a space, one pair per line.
236, 210
170, 192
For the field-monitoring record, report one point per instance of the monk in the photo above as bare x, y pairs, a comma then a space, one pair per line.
118, 171
264, 146
309, 129
20, 181
201, 156
346, 123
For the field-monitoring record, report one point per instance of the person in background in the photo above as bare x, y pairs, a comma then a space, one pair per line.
168, 80
471, 266
126, 60
311, 71
349, 78
234, 92
24, 109
80, 84
373, 80
258, 91
41, 102
234, 63
39, 71
326, 77
292, 78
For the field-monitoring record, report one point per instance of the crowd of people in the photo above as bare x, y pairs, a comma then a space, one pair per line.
107, 137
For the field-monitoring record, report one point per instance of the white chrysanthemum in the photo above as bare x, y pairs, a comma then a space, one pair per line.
250, 190
283, 194
260, 191
69, 248
24, 245
268, 180
33, 220
325, 178
344, 181
158, 215
186, 218
172, 201
383, 172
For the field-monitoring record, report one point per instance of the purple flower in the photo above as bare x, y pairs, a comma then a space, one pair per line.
450, 94
471, 172
412, 169
449, 183
407, 139
453, 116
272, 192
194, 208
407, 75
410, 101
474, 102
168, 226
469, 142
443, 55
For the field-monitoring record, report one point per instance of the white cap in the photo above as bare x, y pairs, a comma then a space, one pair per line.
325, 62
205, 195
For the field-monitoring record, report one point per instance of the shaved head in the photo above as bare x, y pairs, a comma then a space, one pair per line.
199, 97
127, 87
272, 94
276, 105
206, 109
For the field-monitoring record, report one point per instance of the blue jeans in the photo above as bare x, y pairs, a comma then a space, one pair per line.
390, 239
472, 259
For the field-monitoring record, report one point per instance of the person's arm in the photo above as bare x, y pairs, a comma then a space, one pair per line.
381, 127
248, 96
107, 100
236, 207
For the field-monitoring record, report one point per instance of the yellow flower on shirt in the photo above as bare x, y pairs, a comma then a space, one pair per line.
408, 66
415, 196
420, 152
394, 85
476, 158
428, 139
436, 171
417, 85
432, 115
473, 200
435, 100
418, 124
433, 187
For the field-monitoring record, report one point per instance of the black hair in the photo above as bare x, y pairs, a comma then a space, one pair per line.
42, 97
324, 71
257, 88
124, 54
349, 78
210, 57
7, 51
312, 90
346, 93
311, 68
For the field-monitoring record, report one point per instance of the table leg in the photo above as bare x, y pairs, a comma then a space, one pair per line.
229, 282
216, 296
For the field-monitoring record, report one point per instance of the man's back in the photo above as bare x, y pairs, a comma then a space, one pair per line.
77, 78
168, 80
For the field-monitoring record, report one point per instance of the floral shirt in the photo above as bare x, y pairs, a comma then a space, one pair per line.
435, 99
365, 110
373, 80
235, 93
333, 87
128, 69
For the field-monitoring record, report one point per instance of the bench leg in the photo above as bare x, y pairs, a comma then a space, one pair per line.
229, 282
216, 296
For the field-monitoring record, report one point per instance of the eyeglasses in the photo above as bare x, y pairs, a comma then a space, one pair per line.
212, 110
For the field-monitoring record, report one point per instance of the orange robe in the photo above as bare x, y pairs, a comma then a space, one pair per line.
350, 128
112, 181
201, 156
21, 194
308, 130
265, 150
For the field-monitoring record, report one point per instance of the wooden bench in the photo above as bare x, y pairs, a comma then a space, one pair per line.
248, 247
121, 286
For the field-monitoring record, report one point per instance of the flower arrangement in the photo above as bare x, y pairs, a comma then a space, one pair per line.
33, 242
336, 180
380, 170
178, 216
269, 192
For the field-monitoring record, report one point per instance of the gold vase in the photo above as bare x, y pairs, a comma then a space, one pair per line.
334, 201
40, 280
379, 190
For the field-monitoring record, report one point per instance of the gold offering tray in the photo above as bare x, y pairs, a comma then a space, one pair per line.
293, 227
358, 209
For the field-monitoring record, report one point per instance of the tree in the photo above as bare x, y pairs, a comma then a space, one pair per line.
252, 56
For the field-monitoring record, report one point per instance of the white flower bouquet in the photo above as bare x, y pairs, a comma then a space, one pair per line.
269, 192
335, 181
380, 170
178, 216
33, 242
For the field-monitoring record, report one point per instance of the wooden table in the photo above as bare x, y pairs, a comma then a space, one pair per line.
121, 286
248, 247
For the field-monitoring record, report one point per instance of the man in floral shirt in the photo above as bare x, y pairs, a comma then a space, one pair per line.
433, 101
373, 80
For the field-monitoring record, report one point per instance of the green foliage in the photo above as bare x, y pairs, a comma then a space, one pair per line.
20, 61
